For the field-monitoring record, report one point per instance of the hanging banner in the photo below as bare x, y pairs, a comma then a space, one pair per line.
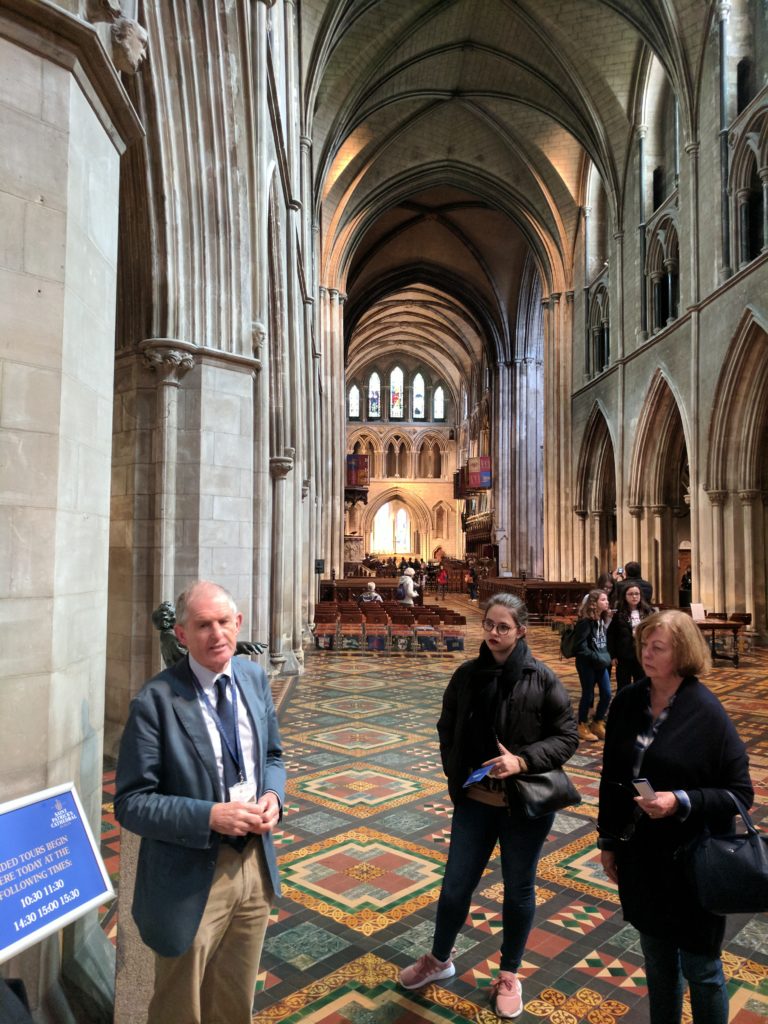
480, 476
357, 471
51, 871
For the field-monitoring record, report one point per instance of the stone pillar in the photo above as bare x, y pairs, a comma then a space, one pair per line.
764, 183
742, 200
279, 466
657, 567
748, 499
262, 485
65, 121
723, 11
171, 362
642, 131
581, 541
694, 255
636, 512
717, 501
502, 484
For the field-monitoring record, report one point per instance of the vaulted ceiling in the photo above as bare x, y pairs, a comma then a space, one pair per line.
452, 143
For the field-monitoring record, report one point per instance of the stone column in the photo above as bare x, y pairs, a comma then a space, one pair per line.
642, 131
658, 579
581, 541
748, 499
764, 182
723, 11
65, 121
636, 512
618, 318
694, 255
170, 361
279, 466
717, 501
262, 485
502, 484
742, 201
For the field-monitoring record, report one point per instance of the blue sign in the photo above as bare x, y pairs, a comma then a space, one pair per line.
51, 871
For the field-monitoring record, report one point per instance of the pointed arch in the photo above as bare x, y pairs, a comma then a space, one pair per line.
596, 458
418, 508
661, 435
739, 424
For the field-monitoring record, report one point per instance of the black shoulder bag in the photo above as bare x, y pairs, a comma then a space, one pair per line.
729, 873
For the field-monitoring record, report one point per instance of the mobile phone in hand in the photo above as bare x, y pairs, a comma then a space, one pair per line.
644, 788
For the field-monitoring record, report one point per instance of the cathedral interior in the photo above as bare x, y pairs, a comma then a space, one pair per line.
246, 245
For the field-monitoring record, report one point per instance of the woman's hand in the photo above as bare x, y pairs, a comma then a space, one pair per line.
608, 860
661, 806
505, 764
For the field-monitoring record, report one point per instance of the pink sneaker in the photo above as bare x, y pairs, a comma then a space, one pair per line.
426, 969
507, 995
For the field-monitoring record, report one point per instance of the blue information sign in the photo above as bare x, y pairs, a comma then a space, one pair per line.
51, 871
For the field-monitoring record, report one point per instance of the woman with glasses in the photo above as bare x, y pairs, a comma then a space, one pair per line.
503, 713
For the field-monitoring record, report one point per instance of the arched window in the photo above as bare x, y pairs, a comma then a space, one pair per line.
599, 340
402, 531
440, 522
396, 394
374, 397
438, 404
419, 404
430, 461
354, 403
749, 184
663, 273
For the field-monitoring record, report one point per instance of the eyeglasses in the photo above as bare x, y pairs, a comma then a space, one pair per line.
502, 628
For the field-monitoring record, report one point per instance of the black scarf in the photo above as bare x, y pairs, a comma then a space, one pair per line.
491, 685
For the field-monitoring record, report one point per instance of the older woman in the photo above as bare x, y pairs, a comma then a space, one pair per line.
671, 730
506, 713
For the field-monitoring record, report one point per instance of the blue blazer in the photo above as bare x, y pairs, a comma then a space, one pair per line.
166, 783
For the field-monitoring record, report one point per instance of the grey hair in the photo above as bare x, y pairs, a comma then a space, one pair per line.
371, 585
184, 598
513, 605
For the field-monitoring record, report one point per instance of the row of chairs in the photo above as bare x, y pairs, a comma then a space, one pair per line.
390, 627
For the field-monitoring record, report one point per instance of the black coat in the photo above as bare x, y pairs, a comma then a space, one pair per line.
646, 588
534, 720
621, 643
698, 750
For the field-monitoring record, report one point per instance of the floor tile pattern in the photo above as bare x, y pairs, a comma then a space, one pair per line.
363, 842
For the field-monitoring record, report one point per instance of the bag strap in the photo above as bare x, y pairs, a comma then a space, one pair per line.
743, 813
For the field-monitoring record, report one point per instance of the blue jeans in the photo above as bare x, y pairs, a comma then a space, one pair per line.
665, 968
590, 676
475, 830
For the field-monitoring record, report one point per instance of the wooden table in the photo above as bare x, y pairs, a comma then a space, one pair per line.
715, 626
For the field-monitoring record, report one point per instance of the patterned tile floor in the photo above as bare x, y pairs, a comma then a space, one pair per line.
364, 839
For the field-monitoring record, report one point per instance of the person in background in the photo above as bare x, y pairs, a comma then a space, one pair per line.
442, 582
593, 663
605, 582
671, 730
471, 580
370, 595
410, 590
510, 713
634, 575
200, 777
630, 612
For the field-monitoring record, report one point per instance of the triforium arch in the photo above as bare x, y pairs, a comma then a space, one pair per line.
659, 489
737, 477
421, 517
595, 505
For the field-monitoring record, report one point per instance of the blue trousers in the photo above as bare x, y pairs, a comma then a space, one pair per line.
665, 968
591, 676
475, 830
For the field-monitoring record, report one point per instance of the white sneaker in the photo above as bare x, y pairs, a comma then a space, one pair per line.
426, 969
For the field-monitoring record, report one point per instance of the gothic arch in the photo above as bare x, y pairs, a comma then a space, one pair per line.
418, 508
595, 459
661, 433
737, 435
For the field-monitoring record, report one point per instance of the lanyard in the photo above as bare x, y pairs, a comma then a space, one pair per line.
237, 753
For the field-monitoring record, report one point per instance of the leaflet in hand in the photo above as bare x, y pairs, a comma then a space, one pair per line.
477, 774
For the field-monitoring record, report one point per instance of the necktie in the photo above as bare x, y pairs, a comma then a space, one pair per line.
227, 718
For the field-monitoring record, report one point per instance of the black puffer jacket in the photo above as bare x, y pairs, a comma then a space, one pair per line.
534, 718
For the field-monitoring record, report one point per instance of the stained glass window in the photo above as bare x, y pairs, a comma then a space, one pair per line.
396, 394
354, 402
418, 397
438, 405
374, 397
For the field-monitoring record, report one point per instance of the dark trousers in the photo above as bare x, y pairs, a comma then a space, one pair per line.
475, 830
665, 968
628, 670
591, 676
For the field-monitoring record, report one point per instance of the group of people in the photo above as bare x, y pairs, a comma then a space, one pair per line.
604, 637
200, 778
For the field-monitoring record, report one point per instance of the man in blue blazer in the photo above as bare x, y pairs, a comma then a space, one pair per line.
200, 777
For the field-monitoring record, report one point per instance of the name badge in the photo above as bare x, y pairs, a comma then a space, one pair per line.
243, 792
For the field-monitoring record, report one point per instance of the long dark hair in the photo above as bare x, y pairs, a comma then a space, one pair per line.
623, 609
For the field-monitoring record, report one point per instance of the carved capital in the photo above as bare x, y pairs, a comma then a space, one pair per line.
723, 10
281, 465
717, 497
170, 363
636, 511
748, 497
580, 511
304, 488
658, 510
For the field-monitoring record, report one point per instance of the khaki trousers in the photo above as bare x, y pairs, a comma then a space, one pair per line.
214, 981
